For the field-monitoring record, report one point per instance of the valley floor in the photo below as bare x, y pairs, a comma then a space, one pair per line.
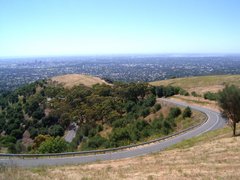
214, 155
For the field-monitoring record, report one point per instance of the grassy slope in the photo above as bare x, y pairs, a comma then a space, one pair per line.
213, 155
71, 80
202, 83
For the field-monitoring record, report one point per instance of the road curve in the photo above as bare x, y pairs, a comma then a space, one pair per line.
213, 122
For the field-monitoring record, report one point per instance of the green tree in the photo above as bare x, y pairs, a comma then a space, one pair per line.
33, 132
166, 127
65, 120
53, 145
157, 123
2, 122
157, 107
56, 130
211, 96
39, 140
174, 112
95, 142
145, 112
229, 101
187, 112
7, 140
38, 114
160, 91
31, 106
193, 93
17, 133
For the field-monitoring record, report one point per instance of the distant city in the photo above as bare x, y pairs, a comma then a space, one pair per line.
16, 72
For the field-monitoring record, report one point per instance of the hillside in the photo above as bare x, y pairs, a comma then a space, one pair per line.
201, 84
71, 80
214, 155
35, 116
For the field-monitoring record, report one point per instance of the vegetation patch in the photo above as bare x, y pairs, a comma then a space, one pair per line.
35, 117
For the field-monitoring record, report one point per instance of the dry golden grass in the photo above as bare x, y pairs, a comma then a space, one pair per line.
202, 84
214, 155
71, 80
197, 101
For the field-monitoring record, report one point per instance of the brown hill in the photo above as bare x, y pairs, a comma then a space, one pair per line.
71, 80
201, 84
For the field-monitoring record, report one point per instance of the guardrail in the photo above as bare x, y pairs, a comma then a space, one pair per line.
102, 150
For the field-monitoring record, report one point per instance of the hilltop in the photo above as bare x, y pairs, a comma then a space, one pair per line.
201, 84
70, 80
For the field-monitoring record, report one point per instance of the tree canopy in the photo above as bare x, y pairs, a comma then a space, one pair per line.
229, 101
47, 110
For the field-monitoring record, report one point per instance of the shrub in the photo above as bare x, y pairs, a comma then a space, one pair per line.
39, 140
157, 107
157, 124
183, 92
38, 114
211, 96
145, 112
119, 134
150, 101
166, 127
12, 148
33, 132
53, 145
194, 94
56, 130
174, 112
17, 133
7, 140
120, 123
187, 112
95, 142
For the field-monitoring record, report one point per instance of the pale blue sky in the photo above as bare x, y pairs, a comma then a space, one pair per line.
76, 27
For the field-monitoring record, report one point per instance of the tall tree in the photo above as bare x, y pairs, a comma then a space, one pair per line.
229, 101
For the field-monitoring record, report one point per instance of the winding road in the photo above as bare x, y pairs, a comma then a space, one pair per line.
213, 122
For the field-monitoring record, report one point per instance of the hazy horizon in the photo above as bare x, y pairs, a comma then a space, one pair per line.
133, 54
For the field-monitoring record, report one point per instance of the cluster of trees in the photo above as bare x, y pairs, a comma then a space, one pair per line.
166, 91
127, 131
44, 109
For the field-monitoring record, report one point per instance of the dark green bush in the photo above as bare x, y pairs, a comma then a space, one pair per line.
17, 133
211, 96
157, 107
53, 145
187, 112
56, 130
95, 142
174, 112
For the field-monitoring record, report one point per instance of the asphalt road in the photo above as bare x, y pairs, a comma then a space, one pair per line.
214, 121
